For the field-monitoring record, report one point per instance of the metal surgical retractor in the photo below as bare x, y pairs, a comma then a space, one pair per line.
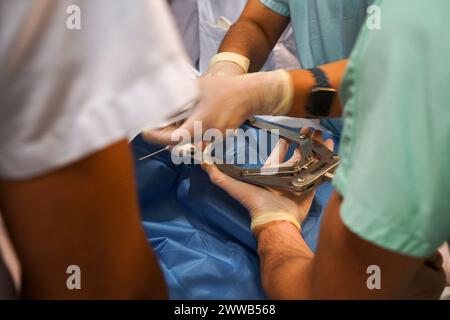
316, 166
317, 163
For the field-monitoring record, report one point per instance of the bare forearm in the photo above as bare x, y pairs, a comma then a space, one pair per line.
304, 82
255, 33
286, 262
338, 269
246, 38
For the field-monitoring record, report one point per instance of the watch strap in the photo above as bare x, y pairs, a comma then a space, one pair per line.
320, 77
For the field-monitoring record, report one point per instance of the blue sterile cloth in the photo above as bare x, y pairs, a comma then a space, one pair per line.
200, 234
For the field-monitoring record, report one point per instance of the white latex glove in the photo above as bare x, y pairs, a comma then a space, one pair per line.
268, 205
226, 102
228, 64
224, 69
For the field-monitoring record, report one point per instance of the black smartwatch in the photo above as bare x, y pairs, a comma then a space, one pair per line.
322, 95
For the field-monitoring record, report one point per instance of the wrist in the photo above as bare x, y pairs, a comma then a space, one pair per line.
281, 237
238, 60
262, 220
304, 83
225, 69
276, 228
285, 92
272, 92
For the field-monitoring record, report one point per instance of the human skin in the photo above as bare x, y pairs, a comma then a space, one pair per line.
84, 214
255, 34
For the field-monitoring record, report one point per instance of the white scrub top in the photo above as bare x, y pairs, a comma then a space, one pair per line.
186, 17
66, 93
213, 14
204, 23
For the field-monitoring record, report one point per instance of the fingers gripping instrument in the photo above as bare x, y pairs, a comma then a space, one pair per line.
316, 166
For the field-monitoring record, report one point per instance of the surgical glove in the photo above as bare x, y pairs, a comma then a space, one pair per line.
226, 102
228, 64
273, 92
267, 205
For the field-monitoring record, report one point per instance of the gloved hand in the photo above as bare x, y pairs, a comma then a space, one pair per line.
226, 102
228, 64
224, 69
267, 205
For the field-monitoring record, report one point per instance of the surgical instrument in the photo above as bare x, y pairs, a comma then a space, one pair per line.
317, 163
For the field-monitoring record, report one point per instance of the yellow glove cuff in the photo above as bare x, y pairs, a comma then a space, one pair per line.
236, 58
285, 105
271, 217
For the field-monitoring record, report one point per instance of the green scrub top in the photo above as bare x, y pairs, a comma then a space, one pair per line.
395, 147
324, 30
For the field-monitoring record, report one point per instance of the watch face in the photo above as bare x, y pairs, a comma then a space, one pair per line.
321, 101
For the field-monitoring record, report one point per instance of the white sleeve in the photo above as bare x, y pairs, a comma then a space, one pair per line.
66, 93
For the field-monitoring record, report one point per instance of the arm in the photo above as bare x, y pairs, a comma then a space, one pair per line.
85, 214
339, 268
255, 33
303, 82
261, 93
